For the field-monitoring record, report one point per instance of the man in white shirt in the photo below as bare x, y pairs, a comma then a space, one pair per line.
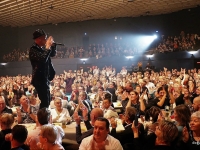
100, 138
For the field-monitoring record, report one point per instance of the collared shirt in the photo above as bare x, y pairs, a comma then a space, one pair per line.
110, 143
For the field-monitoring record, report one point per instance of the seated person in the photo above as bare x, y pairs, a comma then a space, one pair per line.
43, 118
6, 122
24, 113
47, 137
34, 104
163, 137
59, 114
84, 102
190, 139
108, 110
95, 113
163, 99
126, 136
3, 108
100, 139
17, 138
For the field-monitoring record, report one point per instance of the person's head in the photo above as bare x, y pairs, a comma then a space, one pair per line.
19, 133
138, 88
94, 89
101, 129
161, 92
129, 114
48, 134
195, 121
153, 113
43, 116
81, 89
134, 96
40, 37
58, 94
58, 103
196, 103
100, 90
2, 104
32, 99
166, 131
24, 100
120, 89
107, 103
111, 85
182, 114
95, 113
198, 90
6, 121
82, 95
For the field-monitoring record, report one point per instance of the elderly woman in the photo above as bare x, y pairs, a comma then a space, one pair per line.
165, 133
191, 136
47, 137
59, 114
6, 122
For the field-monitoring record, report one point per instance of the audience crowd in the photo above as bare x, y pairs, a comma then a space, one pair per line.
159, 110
163, 44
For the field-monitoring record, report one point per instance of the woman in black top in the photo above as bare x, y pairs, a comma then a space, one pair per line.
165, 133
164, 98
191, 135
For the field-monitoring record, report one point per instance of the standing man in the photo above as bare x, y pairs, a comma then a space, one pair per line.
42, 68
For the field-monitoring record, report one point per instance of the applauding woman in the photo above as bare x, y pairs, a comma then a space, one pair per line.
59, 114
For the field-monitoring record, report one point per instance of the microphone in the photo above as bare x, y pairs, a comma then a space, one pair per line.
60, 44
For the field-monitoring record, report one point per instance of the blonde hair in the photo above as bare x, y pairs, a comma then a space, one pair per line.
49, 132
7, 119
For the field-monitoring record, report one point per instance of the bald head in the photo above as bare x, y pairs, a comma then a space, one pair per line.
196, 103
95, 113
2, 103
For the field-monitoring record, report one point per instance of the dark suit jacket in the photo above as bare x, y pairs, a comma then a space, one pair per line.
42, 68
127, 135
80, 136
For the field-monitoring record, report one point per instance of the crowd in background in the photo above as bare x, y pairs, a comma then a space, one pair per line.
166, 103
163, 44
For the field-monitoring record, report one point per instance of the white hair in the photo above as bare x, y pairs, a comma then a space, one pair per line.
196, 114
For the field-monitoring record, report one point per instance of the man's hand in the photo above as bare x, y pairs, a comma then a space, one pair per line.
49, 42
113, 122
85, 113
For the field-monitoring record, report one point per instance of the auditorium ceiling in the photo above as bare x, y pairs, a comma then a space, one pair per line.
20, 13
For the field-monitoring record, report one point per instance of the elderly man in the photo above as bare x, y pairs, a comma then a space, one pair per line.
3, 108
100, 138
24, 113
95, 113
196, 103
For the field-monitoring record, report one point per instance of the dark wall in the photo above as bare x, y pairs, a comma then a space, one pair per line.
102, 31
170, 60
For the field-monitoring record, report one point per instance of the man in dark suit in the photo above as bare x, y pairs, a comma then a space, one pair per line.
126, 136
95, 113
42, 68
